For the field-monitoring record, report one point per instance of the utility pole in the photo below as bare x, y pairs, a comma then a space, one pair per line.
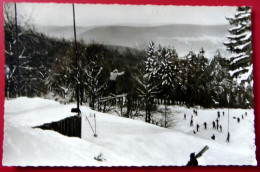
76, 57
228, 134
17, 51
228, 111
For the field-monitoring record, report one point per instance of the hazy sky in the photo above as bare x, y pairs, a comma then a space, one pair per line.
100, 15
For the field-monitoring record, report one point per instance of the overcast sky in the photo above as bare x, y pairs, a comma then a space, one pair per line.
134, 15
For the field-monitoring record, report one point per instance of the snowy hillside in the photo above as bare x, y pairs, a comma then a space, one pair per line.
122, 141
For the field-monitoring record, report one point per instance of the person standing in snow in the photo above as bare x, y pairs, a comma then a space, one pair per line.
195, 112
184, 116
228, 137
191, 122
198, 127
214, 125
223, 113
217, 123
220, 127
238, 119
112, 80
205, 125
193, 160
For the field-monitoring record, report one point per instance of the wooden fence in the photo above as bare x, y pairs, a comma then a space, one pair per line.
70, 126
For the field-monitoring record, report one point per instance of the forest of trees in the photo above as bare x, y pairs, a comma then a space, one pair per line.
153, 76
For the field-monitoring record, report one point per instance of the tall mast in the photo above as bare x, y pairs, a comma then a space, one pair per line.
17, 51
77, 70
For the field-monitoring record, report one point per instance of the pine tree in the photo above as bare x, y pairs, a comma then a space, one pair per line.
203, 79
240, 46
168, 73
148, 80
197, 78
167, 68
151, 63
221, 81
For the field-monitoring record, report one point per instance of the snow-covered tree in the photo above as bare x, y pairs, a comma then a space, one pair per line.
168, 72
239, 44
11, 79
151, 63
147, 91
221, 81
60, 80
167, 68
91, 79
29, 51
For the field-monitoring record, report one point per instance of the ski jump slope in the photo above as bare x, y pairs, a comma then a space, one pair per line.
121, 141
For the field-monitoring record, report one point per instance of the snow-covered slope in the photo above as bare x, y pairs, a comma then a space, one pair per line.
121, 141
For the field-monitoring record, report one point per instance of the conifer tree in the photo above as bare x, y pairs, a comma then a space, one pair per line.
221, 82
167, 68
239, 44
151, 63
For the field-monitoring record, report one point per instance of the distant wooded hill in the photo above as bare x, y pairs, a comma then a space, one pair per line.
182, 36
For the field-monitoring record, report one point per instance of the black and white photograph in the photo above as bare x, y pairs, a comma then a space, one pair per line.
94, 85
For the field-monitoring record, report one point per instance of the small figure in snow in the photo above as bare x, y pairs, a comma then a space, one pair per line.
184, 117
194, 132
195, 112
234, 117
246, 113
192, 117
228, 138
205, 125
238, 119
214, 125
112, 80
217, 123
193, 160
223, 113
220, 127
218, 114
198, 127
191, 122
213, 137
242, 117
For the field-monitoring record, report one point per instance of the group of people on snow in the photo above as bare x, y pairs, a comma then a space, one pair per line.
215, 124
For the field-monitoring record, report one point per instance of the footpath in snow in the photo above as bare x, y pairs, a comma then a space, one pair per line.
122, 141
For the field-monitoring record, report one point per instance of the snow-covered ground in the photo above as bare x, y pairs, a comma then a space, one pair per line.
122, 141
